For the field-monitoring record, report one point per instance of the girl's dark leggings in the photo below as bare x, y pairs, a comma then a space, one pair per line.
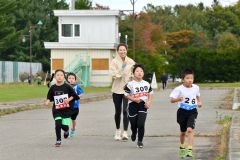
138, 125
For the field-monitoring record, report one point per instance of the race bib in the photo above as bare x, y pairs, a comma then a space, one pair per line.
59, 101
188, 103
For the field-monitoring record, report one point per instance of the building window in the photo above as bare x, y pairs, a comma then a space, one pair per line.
77, 30
67, 30
57, 64
100, 64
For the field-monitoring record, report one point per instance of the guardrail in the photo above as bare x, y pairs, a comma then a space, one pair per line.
236, 99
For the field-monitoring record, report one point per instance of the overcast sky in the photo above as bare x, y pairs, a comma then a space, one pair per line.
125, 4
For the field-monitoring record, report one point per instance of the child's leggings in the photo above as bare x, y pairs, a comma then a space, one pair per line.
61, 123
138, 124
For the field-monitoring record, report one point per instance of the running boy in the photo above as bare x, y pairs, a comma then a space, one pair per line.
63, 97
188, 98
71, 78
139, 93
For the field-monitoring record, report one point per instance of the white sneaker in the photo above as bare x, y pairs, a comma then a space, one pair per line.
124, 136
117, 136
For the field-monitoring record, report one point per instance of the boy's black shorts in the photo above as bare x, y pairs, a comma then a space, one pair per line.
186, 118
134, 108
75, 113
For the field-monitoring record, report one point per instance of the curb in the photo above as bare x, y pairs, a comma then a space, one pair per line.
234, 137
236, 99
40, 102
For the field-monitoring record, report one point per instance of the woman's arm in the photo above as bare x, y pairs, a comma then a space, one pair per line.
116, 72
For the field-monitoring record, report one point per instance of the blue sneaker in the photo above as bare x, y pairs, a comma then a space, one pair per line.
72, 133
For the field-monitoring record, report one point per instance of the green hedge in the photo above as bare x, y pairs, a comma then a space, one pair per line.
209, 65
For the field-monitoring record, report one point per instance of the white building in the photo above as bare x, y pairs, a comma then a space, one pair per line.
87, 41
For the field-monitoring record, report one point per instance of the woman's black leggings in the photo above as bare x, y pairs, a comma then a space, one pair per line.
58, 127
138, 125
118, 99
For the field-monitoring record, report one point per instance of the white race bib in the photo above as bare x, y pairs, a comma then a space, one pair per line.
59, 101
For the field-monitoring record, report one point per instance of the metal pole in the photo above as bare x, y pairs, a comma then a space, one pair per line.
30, 54
126, 38
72, 5
133, 23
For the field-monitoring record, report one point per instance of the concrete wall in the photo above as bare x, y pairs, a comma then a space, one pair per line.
97, 77
10, 71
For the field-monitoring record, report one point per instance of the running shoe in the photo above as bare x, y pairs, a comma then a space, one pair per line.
133, 137
72, 133
117, 136
58, 144
66, 134
182, 153
189, 153
124, 136
139, 144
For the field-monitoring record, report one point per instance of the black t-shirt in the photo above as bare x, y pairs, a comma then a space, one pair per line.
57, 95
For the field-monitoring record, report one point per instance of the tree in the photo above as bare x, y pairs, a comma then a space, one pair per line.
227, 42
180, 40
8, 35
221, 20
83, 4
28, 14
149, 36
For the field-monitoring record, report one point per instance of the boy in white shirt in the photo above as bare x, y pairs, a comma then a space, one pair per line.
188, 98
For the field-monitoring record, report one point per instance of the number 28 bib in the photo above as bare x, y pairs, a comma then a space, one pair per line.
59, 101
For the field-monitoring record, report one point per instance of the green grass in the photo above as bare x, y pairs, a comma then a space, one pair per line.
23, 91
210, 85
219, 85
226, 120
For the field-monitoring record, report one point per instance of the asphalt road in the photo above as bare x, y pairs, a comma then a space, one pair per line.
30, 135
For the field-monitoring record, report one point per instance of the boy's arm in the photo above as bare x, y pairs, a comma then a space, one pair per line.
49, 96
149, 101
72, 94
150, 97
174, 100
132, 98
129, 96
69, 99
47, 102
176, 96
80, 95
199, 100
79, 91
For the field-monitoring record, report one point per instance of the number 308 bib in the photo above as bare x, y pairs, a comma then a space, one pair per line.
59, 101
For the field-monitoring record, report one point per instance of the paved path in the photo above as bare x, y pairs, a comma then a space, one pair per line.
30, 135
